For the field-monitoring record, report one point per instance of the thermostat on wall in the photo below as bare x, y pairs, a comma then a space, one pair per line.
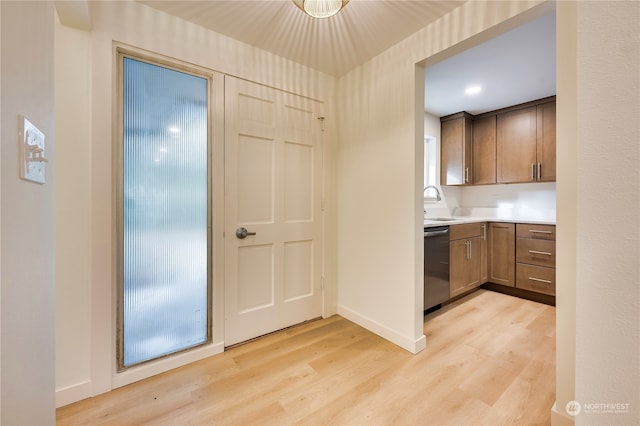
32, 159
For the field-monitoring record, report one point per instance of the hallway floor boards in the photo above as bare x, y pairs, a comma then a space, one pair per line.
490, 360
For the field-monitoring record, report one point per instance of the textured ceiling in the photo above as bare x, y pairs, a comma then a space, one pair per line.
515, 67
332, 45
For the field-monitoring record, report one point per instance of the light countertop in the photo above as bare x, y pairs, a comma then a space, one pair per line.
458, 220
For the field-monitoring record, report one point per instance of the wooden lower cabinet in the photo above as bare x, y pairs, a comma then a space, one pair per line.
536, 258
466, 257
521, 256
536, 252
536, 278
465, 260
484, 255
502, 253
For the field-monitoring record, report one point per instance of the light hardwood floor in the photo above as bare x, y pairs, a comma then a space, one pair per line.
490, 360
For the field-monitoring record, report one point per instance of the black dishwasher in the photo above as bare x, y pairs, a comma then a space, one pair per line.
436, 266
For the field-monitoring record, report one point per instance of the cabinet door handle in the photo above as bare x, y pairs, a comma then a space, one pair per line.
484, 232
540, 252
533, 171
536, 231
539, 171
540, 280
466, 175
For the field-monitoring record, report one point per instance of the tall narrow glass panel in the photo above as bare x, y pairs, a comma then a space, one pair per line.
165, 238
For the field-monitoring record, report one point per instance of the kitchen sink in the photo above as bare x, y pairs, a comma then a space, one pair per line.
442, 219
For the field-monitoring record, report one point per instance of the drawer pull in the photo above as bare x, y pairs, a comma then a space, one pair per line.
536, 231
540, 280
540, 252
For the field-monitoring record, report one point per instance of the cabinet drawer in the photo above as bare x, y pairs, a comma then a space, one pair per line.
536, 252
466, 230
543, 232
536, 278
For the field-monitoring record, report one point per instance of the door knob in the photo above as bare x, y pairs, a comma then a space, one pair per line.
242, 233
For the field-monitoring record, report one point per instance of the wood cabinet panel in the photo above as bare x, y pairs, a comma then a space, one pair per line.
484, 261
465, 230
512, 145
528, 230
546, 142
536, 252
501, 247
464, 265
455, 151
484, 151
516, 140
536, 258
536, 278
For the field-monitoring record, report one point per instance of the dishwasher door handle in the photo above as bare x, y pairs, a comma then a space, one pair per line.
435, 233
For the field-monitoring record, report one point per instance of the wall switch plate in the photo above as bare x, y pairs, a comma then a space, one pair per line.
32, 159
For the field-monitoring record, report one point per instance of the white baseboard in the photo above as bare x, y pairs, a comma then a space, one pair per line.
83, 390
409, 344
560, 418
144, 371
73, 393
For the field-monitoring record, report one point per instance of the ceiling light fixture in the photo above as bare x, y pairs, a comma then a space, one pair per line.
321, 8
473, 90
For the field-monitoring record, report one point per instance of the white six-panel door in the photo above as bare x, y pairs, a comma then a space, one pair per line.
273, 169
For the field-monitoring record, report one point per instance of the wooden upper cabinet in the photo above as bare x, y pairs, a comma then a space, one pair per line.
516, 141
512, 145
546, 142
484, 150
526, 144
455, 150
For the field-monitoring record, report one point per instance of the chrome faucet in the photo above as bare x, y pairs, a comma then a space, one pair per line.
438, 197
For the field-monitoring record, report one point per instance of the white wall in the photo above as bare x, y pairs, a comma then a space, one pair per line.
597, 195
27, 226
73, 210
598, 298
566, 229
432, 130
0, 220
380, 188
133, 24
432, 126
380, 180
526, 201
607, 186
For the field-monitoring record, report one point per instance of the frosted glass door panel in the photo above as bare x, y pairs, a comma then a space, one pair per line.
165, 212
